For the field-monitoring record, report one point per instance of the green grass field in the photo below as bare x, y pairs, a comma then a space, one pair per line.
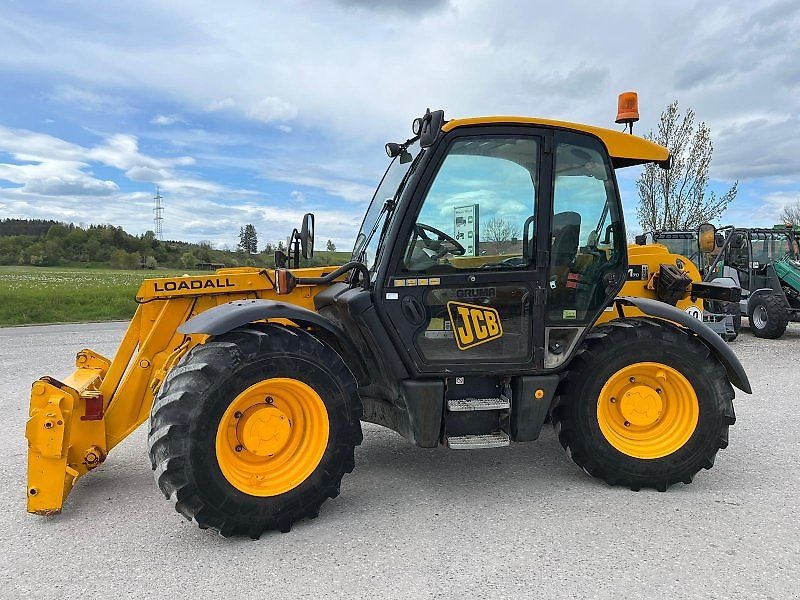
36, 295
31, 295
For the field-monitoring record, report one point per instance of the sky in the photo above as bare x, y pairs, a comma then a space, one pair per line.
257, 112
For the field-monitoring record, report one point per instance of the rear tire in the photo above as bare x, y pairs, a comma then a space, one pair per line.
768, 316
195, 399
615, 347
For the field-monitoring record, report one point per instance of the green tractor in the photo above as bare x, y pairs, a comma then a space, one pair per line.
765, 264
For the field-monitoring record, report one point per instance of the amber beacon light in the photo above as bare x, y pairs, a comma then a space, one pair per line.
628, 109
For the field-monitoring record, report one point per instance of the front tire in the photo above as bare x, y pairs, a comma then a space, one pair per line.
768, 316
254, 430
643, 405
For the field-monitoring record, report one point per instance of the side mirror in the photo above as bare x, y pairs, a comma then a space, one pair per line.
307, 236
641, 240
737, 241
430, 127
706, 237
719, 239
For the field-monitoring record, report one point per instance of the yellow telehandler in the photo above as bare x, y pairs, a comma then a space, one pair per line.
469, 313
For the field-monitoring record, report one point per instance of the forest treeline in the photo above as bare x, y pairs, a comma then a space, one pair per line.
49, 243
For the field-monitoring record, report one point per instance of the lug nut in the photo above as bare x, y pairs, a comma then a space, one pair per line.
239, 448
33, 491
269, 400
613, 400
658, 390
627, 423
632, 379
237, 415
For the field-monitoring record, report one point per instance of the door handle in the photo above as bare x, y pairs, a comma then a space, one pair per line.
413, 310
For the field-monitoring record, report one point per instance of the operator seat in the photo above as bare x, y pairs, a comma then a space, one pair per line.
566, 237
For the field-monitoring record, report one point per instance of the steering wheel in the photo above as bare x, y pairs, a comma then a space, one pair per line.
441, 243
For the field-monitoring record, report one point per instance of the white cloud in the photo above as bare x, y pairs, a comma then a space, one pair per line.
54, 167
90, 101
220, 104
271, 109
142, 173
166, 120
56, 178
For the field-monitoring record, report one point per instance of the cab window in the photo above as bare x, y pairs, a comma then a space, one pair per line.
586, 241
479, 209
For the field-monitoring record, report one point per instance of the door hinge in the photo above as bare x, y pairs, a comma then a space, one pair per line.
539, 296
548, 144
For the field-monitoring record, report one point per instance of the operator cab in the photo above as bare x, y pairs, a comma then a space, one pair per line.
497, 240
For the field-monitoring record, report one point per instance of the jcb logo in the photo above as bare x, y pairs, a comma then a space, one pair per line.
474, 325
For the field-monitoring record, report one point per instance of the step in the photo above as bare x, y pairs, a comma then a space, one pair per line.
468, 404
476, 442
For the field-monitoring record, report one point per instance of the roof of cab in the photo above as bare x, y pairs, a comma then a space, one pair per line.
625, 149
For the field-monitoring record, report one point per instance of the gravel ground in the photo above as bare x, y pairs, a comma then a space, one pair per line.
416, 523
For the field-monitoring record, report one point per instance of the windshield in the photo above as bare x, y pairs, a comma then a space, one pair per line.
685, 245
365, 249
767, 247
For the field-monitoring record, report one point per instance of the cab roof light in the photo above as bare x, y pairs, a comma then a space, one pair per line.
628, 109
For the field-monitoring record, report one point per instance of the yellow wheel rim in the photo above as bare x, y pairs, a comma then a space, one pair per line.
272, 437
647, 410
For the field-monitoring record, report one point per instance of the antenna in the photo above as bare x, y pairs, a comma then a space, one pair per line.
158, 212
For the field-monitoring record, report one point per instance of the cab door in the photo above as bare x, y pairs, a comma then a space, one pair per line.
464, 287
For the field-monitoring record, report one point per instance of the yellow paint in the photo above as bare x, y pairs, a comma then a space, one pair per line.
653, 255
647, 410
272, 437
474, 325
61, 445
619, 144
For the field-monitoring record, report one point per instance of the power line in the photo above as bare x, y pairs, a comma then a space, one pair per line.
158, 214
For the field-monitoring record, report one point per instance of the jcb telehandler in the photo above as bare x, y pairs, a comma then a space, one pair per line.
255, 381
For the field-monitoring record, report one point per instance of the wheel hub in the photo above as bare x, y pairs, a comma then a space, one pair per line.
272, 436
647, 410
641, 405
264, 430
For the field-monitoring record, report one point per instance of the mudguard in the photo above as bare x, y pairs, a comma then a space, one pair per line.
764, 292
721, 349
226, 317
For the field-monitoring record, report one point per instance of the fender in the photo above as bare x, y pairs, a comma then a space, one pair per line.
754, 294
764, 292
716, 344
227, 317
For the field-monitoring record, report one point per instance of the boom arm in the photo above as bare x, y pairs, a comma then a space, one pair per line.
74, 423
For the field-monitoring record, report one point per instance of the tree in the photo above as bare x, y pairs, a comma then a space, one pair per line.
188, 260
248, 239
330, 246
676, 198
790, 214
269, 248
500, 233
